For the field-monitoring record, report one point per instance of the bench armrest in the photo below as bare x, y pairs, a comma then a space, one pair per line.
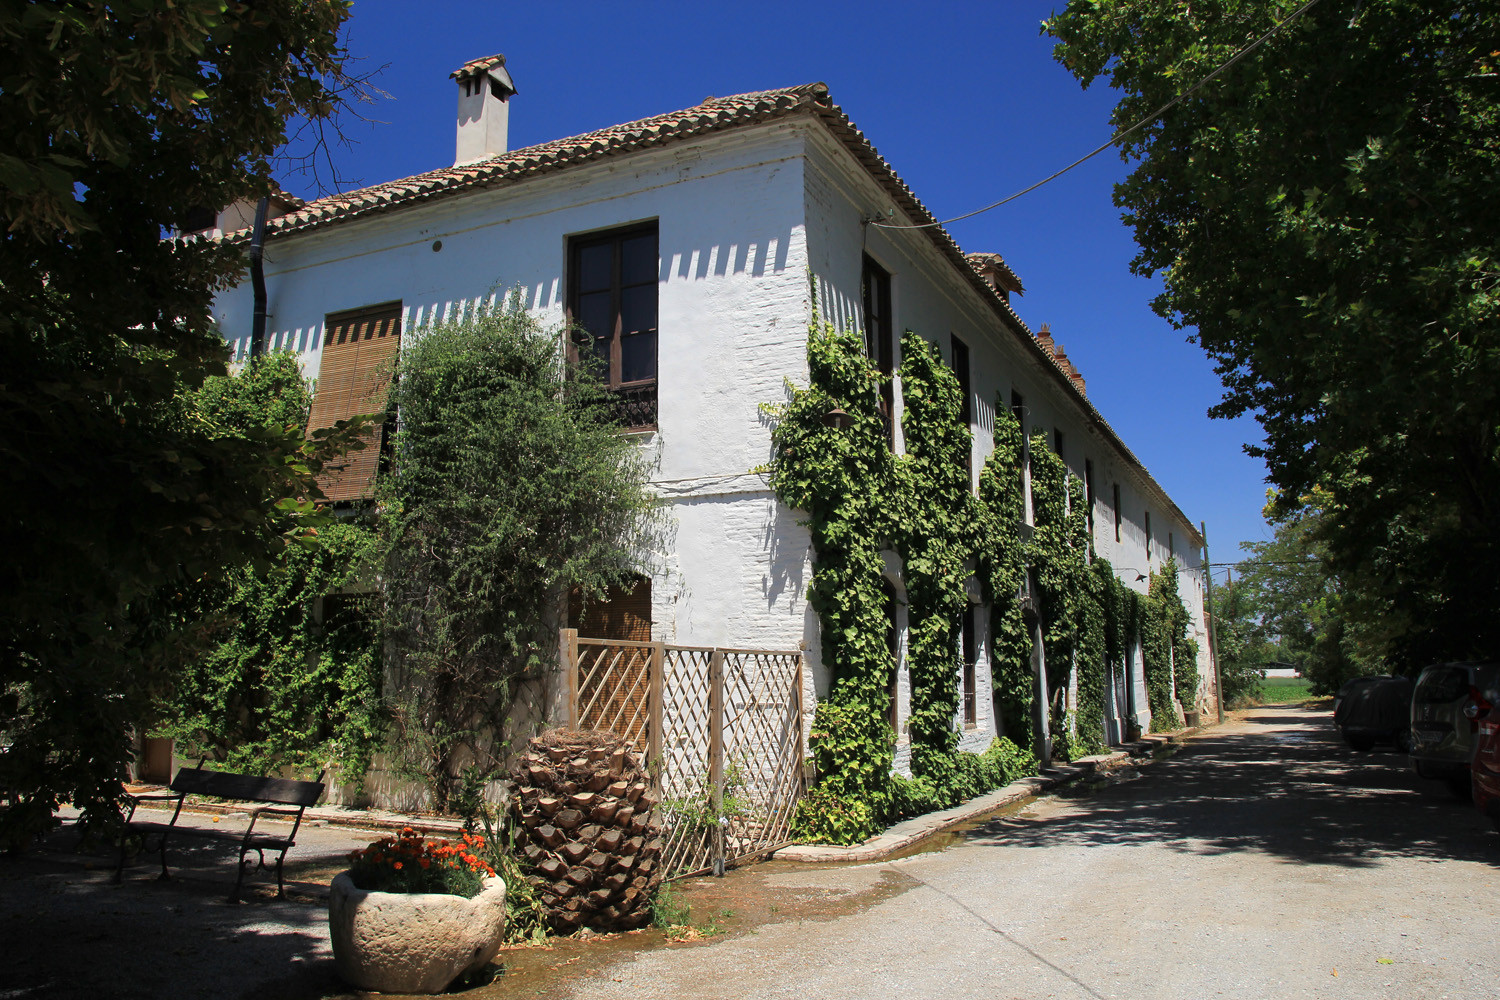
136, 798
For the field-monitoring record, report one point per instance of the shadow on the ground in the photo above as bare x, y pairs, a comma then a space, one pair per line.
1294, 791
70, 931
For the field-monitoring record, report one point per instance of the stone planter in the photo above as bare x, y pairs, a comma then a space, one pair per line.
397, 942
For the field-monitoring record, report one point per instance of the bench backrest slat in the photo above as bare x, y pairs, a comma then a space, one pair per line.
252, 788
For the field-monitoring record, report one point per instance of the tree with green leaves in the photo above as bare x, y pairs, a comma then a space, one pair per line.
1298, 608
1242, 654
116, 121
511, 487
1324, 215
290, 672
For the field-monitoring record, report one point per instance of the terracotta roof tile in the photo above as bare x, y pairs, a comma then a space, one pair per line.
993, 262
476, 66
714, 115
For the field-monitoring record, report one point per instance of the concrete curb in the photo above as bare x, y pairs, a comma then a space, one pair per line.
898, 838
911, 832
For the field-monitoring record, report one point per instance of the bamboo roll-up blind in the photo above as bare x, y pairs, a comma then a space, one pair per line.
359, 355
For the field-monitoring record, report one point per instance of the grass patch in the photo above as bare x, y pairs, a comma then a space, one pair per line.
670, 913
1285, 690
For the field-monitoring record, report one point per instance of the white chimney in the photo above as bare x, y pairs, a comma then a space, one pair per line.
484, 89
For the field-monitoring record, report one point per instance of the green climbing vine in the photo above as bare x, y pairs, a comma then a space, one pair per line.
292, 680
1165, 644
1053, 570
937, 538
832, 460
844, 480
859, 499
1002, 570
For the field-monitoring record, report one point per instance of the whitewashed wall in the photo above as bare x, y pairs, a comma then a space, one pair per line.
733, 303
743, 218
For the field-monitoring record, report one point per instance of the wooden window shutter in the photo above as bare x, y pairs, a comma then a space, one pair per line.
359, 355
623, 614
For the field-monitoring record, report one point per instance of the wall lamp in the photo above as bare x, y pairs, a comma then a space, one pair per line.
839, 419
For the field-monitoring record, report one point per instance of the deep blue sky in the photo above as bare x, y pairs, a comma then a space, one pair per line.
964, 101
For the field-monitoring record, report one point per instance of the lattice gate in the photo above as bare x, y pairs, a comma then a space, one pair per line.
721, 730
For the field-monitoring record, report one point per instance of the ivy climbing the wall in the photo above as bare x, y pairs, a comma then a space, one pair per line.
288, 677
295, 677
833, 461
1058, 554
1091, 622
1163, 637
1165, 645
1002, 569
936, 535
859, 499
844, 480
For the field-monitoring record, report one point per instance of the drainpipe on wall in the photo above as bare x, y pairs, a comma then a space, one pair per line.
258, 279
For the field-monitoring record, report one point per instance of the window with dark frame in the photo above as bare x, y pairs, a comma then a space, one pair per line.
880, 345
1118, 517
970, 657
1057, 442
1148, 538
965, 406
612, 294
1171, 546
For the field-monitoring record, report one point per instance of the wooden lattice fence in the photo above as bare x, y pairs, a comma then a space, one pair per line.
721, 730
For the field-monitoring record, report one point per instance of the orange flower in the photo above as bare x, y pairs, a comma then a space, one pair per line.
398, 865
426, 864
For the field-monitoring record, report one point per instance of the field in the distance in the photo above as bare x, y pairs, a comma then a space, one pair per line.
1281, 690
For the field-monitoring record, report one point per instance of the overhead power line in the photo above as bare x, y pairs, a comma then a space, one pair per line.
1242, 53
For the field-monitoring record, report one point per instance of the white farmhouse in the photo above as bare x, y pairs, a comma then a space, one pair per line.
684, 243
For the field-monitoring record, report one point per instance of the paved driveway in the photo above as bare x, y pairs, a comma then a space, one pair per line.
1262, 860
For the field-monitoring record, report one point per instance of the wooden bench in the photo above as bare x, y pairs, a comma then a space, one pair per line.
274, 797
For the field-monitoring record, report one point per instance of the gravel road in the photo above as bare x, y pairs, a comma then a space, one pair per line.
1262, 860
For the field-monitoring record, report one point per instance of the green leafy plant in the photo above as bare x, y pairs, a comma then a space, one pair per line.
290, 673
668, 908
511, 486
1165, 644
1002, 569
525, 916
844, 480
1332, 249
123, 501
937, 537
859, 499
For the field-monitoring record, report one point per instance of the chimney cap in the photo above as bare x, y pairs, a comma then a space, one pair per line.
491, 66
992, 268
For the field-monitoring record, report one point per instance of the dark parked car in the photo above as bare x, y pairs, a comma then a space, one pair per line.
1445, 722
1485, 771
1371, 710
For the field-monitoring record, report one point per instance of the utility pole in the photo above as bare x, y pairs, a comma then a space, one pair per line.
1213, 646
